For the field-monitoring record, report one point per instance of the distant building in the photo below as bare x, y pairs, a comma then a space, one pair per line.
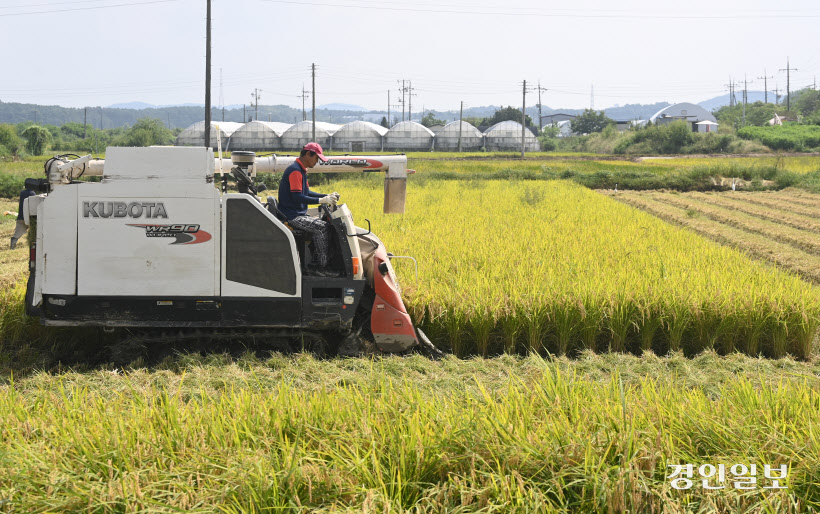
409, 135
549, 119
564, 128
447, 138
194, 135
506, 135
258, 136
707, 126
359, 136
690, 113
301, 134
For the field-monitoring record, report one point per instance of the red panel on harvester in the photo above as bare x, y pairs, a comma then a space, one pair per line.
389, 321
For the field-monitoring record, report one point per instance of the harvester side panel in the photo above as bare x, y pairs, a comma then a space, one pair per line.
57, 243
136, 239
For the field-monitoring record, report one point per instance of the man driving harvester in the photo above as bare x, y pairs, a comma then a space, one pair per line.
294, 197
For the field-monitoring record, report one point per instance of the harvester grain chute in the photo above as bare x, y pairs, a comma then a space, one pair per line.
159, 244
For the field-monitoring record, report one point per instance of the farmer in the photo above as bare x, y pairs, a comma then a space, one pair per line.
21, 227
294, 197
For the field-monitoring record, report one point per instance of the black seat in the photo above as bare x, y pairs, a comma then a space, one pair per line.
273, 208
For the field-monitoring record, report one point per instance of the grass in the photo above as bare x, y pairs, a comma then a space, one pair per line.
510, 434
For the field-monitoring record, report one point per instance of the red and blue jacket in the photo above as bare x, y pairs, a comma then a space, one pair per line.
294, 193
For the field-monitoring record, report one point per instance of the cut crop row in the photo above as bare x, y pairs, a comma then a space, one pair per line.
772, 230
787, 256
737, 201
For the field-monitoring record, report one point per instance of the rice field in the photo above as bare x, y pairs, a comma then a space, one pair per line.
552, 267
556, 284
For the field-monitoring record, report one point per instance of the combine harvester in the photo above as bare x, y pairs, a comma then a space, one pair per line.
158, 249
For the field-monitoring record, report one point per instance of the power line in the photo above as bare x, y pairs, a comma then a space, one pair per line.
733, 16
50, 4
90, 8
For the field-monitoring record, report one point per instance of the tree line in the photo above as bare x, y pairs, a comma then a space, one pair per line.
27, 138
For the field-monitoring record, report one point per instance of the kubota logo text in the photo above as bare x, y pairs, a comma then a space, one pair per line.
182, 234
122, 210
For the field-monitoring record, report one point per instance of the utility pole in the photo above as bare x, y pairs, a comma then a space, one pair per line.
460, 123
410, 100
255, 96
765, 86
788, 69
244, 114
85, 121
745, 84
388, 109
304, 95
523, 117
402, 99
540, 125
221, 98
729, 85
208, 77
313, 101
776, 94
592, 97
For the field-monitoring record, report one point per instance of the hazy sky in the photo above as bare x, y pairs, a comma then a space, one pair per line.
101, 52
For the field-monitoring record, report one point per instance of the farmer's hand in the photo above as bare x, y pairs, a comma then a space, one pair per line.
328, 200
336, 195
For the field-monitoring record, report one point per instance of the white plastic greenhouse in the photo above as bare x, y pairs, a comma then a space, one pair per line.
359, 136
195, 134
507, 136
447, 138
408, 135
301, 134
259, 136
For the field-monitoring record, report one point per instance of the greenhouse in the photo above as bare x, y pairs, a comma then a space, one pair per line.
447, 138
359, 136
301, 134
507, 136
259, 136
408, 135
195, 134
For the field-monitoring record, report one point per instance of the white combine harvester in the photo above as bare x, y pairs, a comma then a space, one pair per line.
156, 246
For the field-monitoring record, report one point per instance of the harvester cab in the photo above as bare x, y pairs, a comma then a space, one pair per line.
159, 243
